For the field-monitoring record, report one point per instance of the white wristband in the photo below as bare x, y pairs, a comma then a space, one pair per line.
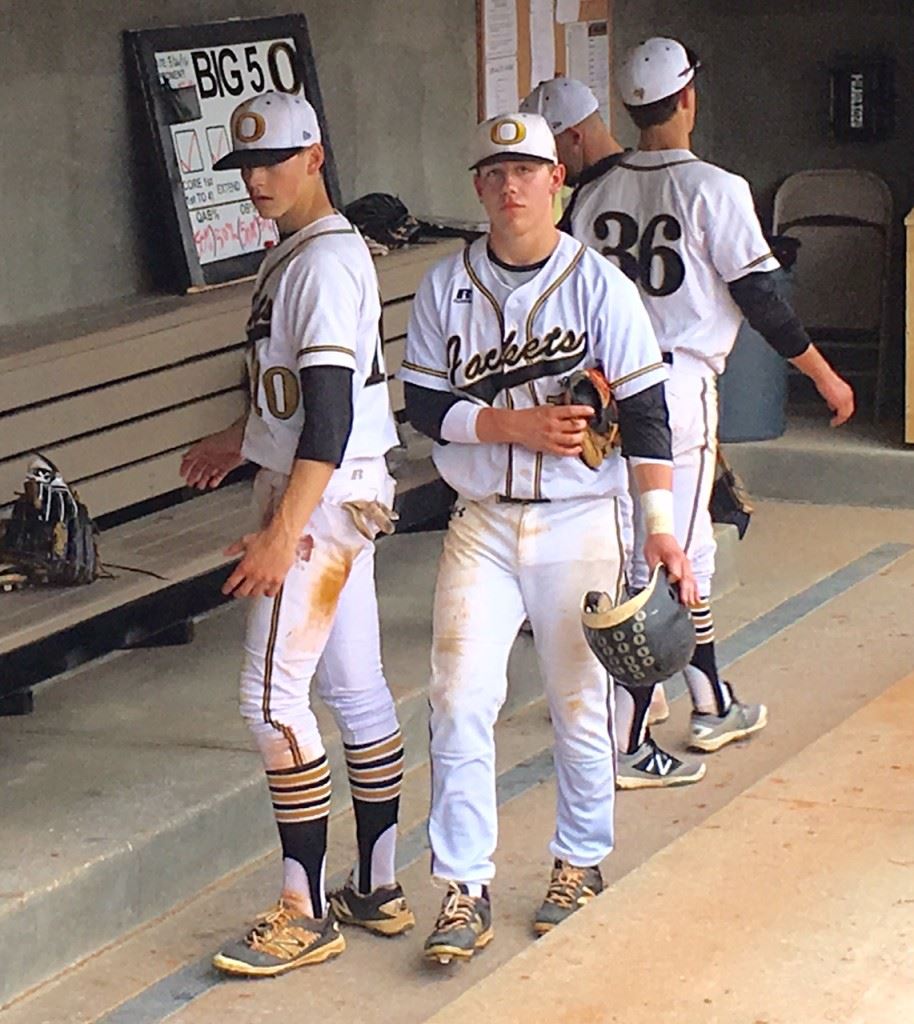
459, 423
657, 508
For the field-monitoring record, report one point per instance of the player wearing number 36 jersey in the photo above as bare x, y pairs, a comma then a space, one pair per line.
318, 427
687, 233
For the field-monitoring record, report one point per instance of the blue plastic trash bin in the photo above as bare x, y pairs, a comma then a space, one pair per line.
753, 390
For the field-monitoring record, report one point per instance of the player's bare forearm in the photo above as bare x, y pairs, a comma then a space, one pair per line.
556, 429
834, 389
267, 556
307, 484
655, 482
653, 476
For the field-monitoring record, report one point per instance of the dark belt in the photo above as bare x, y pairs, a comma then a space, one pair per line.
503, 499
667, 357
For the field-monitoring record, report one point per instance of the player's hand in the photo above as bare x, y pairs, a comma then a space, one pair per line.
663, 548
838, 396
266, 559
556, 429
206, 463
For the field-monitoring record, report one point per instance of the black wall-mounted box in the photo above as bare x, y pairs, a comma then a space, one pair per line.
862, 99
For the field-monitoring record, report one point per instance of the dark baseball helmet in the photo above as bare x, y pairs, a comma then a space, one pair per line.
645, 640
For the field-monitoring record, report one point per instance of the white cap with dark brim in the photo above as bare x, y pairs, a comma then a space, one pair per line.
513, 137
268, 129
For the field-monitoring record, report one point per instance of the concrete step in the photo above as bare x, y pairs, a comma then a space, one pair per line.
857, 464
135, 785
823, 930
784, 638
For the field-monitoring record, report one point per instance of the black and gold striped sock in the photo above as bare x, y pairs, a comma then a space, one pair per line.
301, 805
704, 660
375, 776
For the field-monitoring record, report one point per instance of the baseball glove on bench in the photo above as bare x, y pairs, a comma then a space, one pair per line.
50, 537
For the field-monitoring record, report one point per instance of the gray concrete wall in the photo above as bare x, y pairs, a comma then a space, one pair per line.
398, 79
764, 96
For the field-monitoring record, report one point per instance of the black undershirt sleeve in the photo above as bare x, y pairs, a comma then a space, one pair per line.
761, 299
327, 399
644, 424
426, 409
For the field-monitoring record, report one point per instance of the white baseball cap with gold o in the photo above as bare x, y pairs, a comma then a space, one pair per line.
513, 137
268, 129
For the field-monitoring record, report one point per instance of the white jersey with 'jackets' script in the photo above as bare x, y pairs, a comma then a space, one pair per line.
315, 303
511, 348
683, 229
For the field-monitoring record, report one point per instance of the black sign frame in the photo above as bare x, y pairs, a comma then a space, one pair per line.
160, 103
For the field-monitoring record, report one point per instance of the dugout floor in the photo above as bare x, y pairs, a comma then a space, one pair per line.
779, 890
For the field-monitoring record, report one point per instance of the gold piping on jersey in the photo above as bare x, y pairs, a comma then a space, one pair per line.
281, 263
474, 277
528, 330
509, 472
425, 369
635, 374
557, 283
659, 167
701, 465
325, 348
758, 260
268, 683
621, 577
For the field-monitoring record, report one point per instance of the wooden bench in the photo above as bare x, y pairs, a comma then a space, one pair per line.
113, 401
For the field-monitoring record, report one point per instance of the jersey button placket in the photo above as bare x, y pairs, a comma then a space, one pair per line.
509, 332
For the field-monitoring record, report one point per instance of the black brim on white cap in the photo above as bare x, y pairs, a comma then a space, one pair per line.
513, 137
254, 158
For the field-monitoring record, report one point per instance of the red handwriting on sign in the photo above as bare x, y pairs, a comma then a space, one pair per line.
243, 234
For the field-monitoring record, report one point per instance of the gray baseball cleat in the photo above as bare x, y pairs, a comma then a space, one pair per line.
649, 767
464, 925
383, 911
280, 942
569, 889
711, 732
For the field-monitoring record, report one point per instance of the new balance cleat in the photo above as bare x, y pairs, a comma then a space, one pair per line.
383, 911
464, 925
570, 888
280, 942
711, 732
649, 767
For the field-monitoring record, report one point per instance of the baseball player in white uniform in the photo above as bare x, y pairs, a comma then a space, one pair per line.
687, 233
494, 332
318, 427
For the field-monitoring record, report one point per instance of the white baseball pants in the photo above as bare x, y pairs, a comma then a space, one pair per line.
324, 622
500, 562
